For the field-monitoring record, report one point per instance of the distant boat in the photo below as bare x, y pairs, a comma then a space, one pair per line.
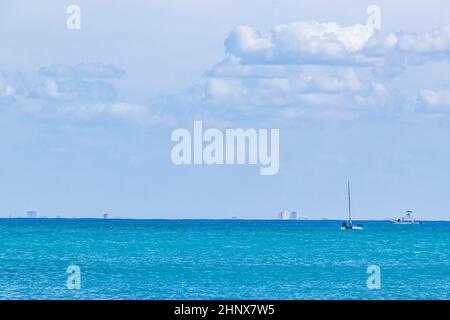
406, 219
347, 225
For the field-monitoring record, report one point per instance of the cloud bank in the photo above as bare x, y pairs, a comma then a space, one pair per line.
300, 71
330, 43
83, 92
313, 70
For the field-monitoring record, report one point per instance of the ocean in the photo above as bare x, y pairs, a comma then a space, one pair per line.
222, 259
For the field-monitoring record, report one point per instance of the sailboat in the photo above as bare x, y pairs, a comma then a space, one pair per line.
347, 225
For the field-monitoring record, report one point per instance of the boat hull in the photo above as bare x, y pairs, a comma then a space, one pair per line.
352, 228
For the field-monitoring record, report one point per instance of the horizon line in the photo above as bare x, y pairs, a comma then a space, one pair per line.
242, 219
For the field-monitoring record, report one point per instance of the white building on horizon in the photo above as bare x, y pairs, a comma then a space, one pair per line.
290, 215
294, 215
283, 215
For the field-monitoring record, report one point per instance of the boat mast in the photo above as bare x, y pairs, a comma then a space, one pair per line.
349, 204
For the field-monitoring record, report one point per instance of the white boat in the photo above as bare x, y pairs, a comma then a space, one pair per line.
407, 219
348, 225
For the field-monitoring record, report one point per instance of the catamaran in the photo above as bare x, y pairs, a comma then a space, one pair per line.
347, 225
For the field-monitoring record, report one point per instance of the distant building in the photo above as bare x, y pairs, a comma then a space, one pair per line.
292, 215
31, 214
283, 215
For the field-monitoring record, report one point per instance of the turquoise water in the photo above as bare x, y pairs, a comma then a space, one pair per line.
229, 259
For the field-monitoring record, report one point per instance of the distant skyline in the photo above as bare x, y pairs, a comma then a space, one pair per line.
86, 115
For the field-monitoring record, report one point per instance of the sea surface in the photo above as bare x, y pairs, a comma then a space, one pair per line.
222, 259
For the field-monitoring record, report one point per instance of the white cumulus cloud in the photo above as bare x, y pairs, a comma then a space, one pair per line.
300, 43
329, 43
434, 100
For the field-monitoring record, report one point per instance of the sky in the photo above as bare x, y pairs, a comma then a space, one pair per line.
86, 115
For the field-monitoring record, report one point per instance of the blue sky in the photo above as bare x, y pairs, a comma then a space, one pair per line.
86, 115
